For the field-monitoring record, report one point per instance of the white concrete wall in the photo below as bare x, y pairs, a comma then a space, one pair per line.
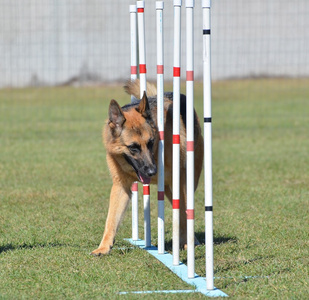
58, 41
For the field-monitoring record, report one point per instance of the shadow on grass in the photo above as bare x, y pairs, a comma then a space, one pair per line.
218, 240
11, 247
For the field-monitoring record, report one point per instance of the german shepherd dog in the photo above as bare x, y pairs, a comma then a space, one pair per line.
131, 140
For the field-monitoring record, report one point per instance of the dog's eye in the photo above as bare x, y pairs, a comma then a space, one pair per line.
134, 148
150, 144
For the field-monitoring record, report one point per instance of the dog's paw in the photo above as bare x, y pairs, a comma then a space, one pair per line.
185, 246
196, 242
101, 251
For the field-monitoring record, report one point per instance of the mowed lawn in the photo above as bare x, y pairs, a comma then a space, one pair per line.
54, 194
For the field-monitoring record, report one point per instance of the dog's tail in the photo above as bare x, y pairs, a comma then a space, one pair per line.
133, 88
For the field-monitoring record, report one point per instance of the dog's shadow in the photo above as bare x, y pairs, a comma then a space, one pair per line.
218, 240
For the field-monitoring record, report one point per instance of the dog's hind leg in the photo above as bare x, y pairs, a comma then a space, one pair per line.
183, 213
119, 200
183, 209
168, 193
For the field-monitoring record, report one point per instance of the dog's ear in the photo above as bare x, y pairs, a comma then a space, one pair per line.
116, 116
143, 107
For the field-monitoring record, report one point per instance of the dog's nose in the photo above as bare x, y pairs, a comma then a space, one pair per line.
151, 171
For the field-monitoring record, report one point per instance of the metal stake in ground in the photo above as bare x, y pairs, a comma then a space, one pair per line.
208, 145
160, 119
133, 37
143, 82
176, 129
190, 136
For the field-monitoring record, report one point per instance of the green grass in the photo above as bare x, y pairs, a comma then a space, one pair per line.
54, 193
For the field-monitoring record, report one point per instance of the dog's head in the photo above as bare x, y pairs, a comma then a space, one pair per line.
134, 137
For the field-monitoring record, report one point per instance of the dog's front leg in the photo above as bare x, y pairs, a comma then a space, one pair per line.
119, 199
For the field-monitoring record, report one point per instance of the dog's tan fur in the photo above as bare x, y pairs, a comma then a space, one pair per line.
136, 125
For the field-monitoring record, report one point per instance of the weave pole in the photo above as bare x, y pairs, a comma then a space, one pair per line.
133, 38
186, 273
141, 46
176, 129
143, 87
206, 4
190, 136
160, 119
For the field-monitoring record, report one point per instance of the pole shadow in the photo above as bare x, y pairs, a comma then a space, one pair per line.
218, 240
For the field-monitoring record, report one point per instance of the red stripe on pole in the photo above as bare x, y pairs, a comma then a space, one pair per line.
160, 69
161, 135
133, 69
146, 190
176, 204
176, 139
190, 214
190, 145
190, 75
176, 72
160, 196
134, 187
142, 69
140, 10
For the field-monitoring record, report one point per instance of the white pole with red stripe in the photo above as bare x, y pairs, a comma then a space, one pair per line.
133, 31
135, 211
143, 87
176, 129
160, 119
147, 228
190, 136
206, 4
141, 46
133, 39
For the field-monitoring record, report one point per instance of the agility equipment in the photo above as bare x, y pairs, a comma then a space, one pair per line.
186, 273
160, 122
176, 130
133, 39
